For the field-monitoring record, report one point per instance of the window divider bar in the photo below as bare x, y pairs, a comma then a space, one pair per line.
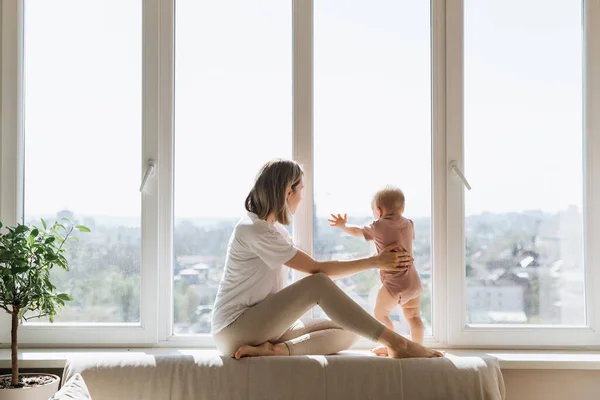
166, 142
591, 145
438, 170
455, 210
149, 199
302, 77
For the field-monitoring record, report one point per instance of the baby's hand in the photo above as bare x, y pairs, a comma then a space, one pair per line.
338, 220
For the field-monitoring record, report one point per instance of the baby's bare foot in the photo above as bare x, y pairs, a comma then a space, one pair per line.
265, 349
380, 351
414, 350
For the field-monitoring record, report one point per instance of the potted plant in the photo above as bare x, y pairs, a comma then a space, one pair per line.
27, 255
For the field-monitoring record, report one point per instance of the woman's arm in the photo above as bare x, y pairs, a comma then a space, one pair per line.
387, 260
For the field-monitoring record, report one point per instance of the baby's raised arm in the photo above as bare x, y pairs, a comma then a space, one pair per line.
342, 223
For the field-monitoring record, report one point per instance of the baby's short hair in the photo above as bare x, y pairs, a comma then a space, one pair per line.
390, 198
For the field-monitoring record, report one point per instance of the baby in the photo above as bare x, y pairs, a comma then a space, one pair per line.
399, 287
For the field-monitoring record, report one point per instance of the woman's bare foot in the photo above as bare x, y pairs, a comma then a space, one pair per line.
265, 349
380, 351
400, 347
413, 350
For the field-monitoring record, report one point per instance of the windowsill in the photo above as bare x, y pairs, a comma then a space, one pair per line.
509, 359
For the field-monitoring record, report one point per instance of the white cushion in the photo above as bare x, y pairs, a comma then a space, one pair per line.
204, 374
74, 389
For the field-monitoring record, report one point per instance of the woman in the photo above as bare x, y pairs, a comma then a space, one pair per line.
255, 315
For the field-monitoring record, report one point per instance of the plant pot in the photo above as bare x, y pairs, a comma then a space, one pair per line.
43, 392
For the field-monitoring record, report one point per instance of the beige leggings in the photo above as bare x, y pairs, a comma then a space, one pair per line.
275, 320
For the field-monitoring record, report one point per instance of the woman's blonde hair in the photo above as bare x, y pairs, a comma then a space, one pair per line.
268, 193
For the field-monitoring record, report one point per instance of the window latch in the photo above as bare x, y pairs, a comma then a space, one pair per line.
458, 172
149, 172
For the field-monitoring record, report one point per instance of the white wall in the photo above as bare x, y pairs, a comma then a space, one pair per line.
524, 384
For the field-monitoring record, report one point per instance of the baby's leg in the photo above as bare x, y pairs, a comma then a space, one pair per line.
384, 305
412, 313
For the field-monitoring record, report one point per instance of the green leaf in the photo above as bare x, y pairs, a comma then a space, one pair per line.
21, 229
44, 224
82, 228
64, 296
34, 232
19, 270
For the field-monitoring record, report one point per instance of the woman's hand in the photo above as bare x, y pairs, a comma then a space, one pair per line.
389, 260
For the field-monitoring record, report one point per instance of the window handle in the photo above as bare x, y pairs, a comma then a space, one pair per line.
458, 172
149, 172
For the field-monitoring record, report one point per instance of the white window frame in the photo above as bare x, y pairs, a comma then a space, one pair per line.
460, 333
11, 186
156, 328
303, 152
302, 116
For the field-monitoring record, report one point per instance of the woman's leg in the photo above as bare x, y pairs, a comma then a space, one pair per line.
317, 336
270, 319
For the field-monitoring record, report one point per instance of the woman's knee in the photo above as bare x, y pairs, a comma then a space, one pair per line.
316, 286
320, 279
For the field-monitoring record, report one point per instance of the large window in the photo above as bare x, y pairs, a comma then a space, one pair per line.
233, 112
82, 146
524, 158
372, 127
363, 93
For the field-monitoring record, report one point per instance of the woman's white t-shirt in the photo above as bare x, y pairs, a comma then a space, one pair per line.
253, 269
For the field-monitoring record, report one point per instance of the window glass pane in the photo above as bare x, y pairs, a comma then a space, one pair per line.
523, 157
82, 99
372, 128
233, 105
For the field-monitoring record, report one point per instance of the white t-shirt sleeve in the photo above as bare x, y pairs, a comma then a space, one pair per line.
273, 248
